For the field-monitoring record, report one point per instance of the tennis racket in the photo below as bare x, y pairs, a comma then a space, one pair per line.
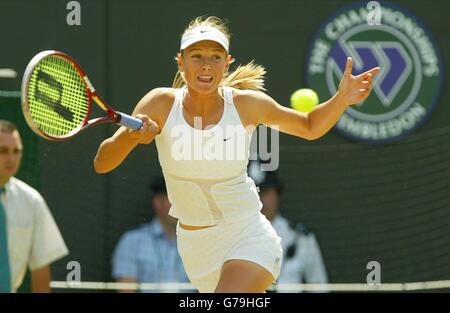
57, 98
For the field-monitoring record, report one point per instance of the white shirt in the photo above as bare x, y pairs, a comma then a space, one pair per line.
206, 170
302, 259
34, 239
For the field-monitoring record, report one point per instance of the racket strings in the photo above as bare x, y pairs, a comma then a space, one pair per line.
57, 96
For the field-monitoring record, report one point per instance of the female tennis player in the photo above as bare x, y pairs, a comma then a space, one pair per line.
202, 127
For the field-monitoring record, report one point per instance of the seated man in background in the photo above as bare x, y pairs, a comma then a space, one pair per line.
302, 259
149, 254
29, 236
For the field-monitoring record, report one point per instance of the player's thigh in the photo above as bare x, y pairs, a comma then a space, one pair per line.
243, 276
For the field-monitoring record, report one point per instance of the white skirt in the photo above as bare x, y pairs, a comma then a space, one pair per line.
204, 251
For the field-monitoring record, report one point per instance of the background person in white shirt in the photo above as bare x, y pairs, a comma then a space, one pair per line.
29, 236
302, 258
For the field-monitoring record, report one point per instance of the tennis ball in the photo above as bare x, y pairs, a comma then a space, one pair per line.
304, 100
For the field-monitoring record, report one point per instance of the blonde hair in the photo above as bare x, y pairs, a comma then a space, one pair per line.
249, 76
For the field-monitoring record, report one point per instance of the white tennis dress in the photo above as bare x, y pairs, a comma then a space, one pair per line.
207, 184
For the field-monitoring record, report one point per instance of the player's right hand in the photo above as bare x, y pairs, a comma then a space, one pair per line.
147, 132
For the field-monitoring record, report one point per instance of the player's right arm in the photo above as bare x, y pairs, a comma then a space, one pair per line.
152, 109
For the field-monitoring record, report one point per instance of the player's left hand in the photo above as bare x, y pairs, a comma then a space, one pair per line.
354, 89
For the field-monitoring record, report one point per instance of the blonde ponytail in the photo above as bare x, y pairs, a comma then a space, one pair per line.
178, 80
249, 76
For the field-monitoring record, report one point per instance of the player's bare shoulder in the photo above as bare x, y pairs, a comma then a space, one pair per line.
157, 104
157, 99
250, 104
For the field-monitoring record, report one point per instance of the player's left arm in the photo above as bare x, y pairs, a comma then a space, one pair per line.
315, 124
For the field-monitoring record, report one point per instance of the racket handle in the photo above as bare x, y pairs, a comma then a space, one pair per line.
129, 121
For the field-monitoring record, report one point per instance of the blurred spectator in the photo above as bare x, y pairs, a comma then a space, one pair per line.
302, 259
29, 236
148, 254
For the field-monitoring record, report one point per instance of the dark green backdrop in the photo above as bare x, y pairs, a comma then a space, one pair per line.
388, 203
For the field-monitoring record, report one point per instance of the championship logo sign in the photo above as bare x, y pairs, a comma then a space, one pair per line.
406, 89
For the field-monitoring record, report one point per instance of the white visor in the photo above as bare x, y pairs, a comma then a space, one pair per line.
201, 33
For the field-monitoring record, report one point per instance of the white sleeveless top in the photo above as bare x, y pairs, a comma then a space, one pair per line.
206, 170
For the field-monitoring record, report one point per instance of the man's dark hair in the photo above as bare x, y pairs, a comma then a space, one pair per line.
158, 185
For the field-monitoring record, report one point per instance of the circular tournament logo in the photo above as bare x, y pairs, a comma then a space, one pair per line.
404, 91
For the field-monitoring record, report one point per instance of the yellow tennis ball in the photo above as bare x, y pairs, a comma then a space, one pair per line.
304, 100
